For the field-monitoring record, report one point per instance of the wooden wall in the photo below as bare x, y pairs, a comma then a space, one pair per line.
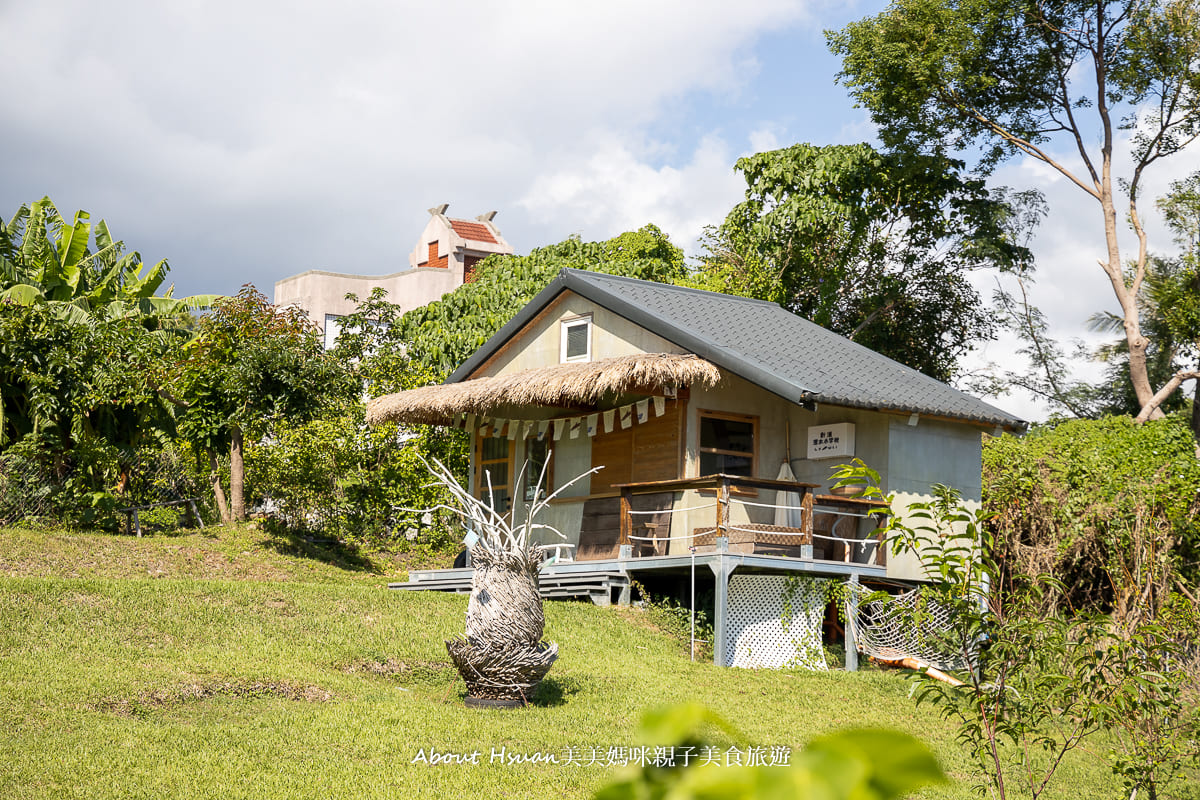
649, 451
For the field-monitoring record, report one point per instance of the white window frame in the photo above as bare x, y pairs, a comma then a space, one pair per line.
566, 325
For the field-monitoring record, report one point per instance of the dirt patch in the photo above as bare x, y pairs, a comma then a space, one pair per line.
166, 699
428, 672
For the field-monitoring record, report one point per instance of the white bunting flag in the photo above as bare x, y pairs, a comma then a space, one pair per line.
660, 406
576, 425
528, 428
543, 426
559, 424
483, 431
626, 417
610, 417
643, 410
593, 422
514, 427
498, 428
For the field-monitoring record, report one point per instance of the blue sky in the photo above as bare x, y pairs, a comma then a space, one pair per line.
246, 145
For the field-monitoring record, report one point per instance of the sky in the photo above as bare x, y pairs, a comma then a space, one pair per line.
245, 145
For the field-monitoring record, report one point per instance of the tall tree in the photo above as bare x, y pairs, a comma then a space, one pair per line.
874, 246
250, 362
1031, 77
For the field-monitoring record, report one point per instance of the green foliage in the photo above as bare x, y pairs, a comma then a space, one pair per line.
999, 78
251, 362
337, 477
81, 400
1038, 682
940, 75
1107, 507
674, 618
441, 335
874, 246
46, 260
849, 765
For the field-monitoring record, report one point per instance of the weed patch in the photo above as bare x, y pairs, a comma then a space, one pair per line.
147, 702
426, 673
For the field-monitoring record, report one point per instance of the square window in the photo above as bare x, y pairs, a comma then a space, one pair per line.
576, 335
727, 444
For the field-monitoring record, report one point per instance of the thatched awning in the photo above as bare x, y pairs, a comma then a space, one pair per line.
559, 386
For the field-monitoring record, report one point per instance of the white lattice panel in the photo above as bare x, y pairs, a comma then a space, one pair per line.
755, 635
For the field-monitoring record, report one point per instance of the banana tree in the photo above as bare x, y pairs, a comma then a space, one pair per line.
45, 259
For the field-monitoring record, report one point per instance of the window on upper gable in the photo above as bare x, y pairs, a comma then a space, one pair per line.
576, 339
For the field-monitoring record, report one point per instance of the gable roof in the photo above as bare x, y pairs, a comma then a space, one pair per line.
472, 231
759, 341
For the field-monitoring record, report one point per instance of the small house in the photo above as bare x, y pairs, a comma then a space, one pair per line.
717, 422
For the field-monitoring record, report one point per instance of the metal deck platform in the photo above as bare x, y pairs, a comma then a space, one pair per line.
605, 580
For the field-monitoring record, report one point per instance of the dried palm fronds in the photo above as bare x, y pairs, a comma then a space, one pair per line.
559, 385
501, 657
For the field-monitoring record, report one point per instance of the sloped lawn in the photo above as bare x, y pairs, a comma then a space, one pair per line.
330, 686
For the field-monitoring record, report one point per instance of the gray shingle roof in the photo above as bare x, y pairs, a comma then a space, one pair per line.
761, 342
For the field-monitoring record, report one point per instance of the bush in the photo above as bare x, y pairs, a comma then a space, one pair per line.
1102, 505
338, 478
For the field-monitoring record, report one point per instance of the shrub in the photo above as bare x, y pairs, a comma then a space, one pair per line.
1104, 506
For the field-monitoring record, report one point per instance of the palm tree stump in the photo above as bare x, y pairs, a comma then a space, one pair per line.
501, 657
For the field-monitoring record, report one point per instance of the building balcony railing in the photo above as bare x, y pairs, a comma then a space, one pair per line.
802, 524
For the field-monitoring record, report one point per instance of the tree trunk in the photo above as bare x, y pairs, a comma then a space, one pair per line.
1196, 413
218, 490
237, 477
1138, 373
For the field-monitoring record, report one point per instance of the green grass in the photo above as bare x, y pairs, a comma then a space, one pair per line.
267, 674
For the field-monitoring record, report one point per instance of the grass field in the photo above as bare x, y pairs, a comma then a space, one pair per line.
229, 665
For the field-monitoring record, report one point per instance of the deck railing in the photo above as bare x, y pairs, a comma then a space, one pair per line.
746, 537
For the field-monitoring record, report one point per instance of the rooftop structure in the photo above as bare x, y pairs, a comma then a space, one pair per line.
443, 259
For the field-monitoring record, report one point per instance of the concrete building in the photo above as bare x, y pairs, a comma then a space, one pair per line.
443, 259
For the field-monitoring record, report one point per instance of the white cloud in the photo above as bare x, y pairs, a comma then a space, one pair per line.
615, 190
248, 142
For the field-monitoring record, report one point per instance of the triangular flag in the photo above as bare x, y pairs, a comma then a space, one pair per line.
559, 424
660, 406
643, 410
627, 416
593, 422
609, 417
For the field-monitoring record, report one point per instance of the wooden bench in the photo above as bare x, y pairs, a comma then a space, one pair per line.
134, 523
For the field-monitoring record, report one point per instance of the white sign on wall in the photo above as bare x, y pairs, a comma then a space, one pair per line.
835, 440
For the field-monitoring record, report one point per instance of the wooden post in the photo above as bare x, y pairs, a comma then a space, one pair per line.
722, 505
626, 516
806, 511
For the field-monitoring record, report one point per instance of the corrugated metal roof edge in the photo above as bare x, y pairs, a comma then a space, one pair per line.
578, 281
